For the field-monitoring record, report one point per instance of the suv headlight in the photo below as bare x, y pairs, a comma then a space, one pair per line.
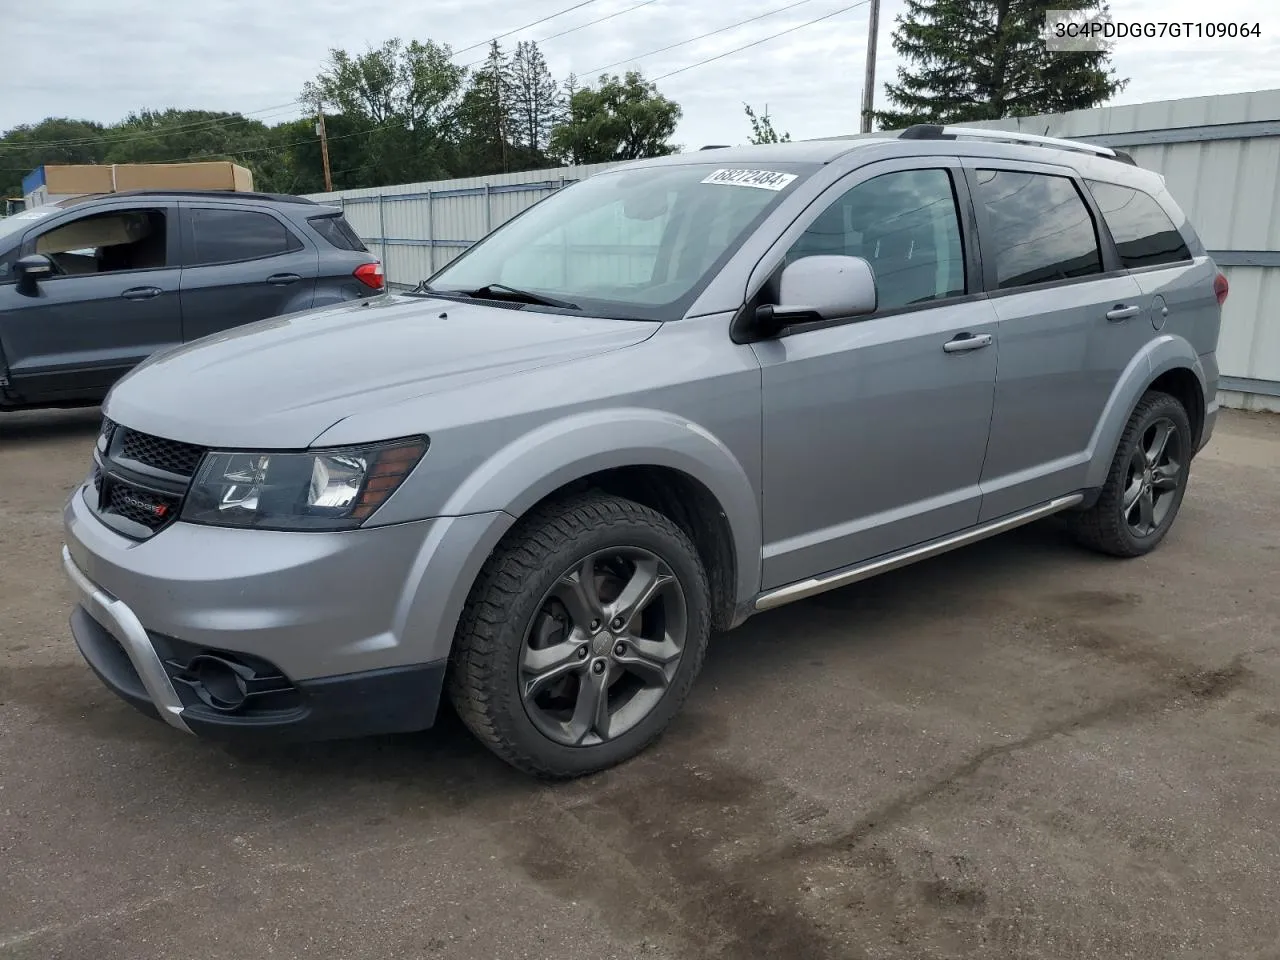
334, 489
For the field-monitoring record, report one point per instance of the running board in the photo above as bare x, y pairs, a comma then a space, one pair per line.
864, 571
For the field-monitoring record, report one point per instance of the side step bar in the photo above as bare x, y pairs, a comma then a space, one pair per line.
864, 571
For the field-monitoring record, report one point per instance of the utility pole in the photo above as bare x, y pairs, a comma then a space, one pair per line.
324, 145
869, 85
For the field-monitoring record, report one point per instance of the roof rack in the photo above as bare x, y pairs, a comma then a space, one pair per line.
934, 131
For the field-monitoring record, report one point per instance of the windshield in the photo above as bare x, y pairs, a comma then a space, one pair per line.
633, 244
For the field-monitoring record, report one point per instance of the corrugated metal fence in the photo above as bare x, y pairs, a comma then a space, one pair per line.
416, 228
1219, 155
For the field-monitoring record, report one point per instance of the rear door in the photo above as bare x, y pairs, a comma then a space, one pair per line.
241, 263
112, 302
1071, 319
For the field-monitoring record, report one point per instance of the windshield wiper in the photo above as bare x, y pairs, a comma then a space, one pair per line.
514, 293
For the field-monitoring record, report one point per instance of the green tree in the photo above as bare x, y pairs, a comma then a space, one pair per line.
406, 99
54, 140
762, 127
485, 120
159, 136
534, 99
969, 60
620, 119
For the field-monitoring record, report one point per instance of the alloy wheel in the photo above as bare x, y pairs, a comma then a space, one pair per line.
1154, 473
603, 647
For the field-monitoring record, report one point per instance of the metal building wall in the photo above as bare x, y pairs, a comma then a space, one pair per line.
1219, 155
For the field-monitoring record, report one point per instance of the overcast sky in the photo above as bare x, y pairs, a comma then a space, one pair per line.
96, 60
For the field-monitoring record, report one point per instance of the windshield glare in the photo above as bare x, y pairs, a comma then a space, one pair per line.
633, 244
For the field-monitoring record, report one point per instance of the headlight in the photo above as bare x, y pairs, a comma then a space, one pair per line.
319, 490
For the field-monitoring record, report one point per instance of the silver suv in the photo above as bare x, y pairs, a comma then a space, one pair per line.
669, 396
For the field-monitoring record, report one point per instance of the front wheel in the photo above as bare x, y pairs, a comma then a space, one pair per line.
581, 637
1146, 483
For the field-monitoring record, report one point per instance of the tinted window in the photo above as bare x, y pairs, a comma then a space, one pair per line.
337, 232
222, 236
1039, 226
905, 225
1143, 232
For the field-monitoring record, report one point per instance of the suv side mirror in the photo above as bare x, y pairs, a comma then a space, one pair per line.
30, 270
825, 287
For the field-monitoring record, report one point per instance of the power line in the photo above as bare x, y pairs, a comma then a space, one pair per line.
581, 26
194, 125
756, 43
703, 36
485, 43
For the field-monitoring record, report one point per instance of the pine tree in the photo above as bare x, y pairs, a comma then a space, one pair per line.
485, 115
969, 60
533, 99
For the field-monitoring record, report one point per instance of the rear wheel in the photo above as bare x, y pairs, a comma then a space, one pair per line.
581, 637
1146, 483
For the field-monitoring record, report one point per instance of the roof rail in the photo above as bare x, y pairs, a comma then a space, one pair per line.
715, 146
225, 194
934, 131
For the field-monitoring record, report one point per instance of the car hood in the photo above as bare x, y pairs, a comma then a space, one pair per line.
280, 383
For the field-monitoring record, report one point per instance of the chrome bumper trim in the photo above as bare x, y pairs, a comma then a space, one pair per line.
116, 617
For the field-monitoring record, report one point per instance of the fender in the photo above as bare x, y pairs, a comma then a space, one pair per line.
1162, 354
538, 463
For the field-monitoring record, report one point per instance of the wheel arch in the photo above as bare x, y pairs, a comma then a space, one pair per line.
652, 457
1168, 363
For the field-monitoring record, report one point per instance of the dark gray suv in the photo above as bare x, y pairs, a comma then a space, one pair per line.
89, 287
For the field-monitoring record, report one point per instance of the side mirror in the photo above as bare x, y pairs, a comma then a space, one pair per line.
825, 287
31, 269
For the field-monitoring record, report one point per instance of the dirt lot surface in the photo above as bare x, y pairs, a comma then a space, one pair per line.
1017, 750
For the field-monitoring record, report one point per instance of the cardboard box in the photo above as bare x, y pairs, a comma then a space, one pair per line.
213, 175
56, 181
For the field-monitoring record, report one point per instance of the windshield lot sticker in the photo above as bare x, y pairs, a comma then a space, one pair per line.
760, 179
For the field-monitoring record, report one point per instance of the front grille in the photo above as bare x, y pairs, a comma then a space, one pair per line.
168, 455
152, 510
139, 480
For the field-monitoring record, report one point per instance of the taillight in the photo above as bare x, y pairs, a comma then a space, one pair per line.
370, 274
1221, 288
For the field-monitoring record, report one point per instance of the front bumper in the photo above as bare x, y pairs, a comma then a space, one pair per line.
126, 659
342, 634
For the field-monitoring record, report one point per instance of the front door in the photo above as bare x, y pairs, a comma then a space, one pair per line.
241, 265
112, 302
875, 428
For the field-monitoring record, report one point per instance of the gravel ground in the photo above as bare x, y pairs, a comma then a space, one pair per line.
1017, 750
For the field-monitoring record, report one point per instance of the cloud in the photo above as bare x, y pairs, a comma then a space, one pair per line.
83, 58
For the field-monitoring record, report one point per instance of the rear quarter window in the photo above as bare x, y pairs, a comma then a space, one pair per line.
335, 230
1143, 232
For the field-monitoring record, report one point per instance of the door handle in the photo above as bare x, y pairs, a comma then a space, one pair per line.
967, 341
141, 293
280, 279
1121, 312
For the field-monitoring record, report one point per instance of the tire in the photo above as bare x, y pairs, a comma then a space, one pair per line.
1107, 526
526, 611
